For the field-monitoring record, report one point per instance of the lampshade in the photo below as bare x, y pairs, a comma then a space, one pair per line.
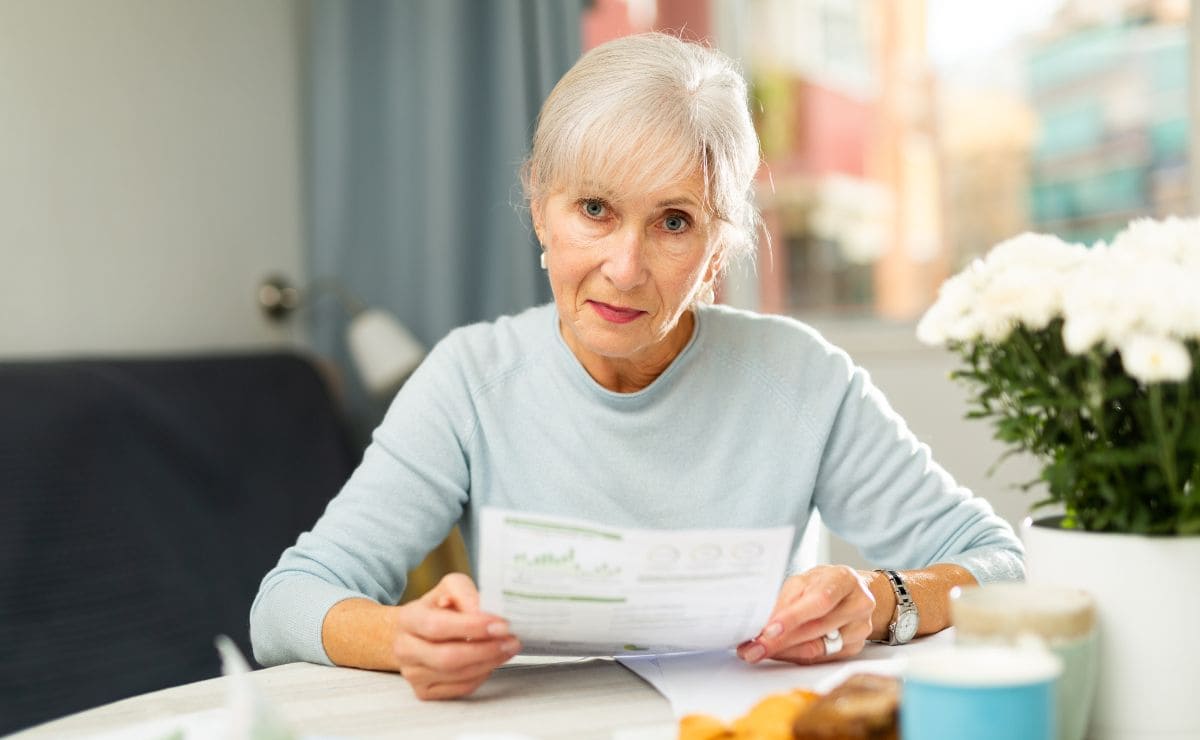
384, 352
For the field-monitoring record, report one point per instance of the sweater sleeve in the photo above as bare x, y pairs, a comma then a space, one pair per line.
401, 501
880, 489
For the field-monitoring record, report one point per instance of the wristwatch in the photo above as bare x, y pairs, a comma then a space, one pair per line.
906, 619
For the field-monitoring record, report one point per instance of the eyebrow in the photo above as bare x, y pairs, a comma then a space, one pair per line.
680, 201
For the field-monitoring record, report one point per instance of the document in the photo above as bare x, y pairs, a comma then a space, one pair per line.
724, 686
573, 587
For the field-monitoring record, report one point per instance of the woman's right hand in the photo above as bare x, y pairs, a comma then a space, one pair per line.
441, 643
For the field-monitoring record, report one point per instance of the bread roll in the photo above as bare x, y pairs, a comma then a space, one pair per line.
864, 707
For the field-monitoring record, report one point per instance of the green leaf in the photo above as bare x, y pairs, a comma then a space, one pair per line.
1110, 458
1188, 526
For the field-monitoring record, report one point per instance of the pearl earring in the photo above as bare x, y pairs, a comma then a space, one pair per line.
543, 260
707, 295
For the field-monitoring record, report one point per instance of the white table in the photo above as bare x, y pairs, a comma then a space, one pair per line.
580, 699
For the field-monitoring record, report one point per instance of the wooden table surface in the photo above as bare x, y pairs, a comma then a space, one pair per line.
585, 698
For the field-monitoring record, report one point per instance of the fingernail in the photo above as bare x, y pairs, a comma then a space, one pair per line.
510, 646
497, 629
754, 654
774, 629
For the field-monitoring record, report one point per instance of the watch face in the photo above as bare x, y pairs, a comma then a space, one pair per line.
906, 626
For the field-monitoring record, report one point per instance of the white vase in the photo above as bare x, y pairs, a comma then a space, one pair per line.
1147, 592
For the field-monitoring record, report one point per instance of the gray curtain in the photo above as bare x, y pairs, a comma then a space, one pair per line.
420, 113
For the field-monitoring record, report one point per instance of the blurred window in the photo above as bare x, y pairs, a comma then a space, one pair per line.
903, 139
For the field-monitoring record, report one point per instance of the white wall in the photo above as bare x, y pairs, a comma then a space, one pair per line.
916, 381
150, 172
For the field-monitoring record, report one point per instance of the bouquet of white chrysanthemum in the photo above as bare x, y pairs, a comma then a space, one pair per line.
1087, 357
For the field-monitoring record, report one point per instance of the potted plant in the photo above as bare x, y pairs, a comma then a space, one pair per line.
1088, 358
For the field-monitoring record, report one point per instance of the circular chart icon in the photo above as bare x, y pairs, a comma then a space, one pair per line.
745, 551
662, 554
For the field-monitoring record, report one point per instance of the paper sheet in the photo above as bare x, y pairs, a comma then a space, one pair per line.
720, 684
572, 587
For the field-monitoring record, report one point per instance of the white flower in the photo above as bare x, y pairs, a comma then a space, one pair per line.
1166, 301
1171, 239
1146, 283
931, 329
1187, 288
1039, 252
1097, 307
1019, 282
1082, 333
1190, 259
1117, 293
1027, 276
1152, 359
951, 315
1021, 295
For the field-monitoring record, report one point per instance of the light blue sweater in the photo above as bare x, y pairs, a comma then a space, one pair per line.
756, 422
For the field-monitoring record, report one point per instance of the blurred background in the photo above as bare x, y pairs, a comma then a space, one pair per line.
160, 158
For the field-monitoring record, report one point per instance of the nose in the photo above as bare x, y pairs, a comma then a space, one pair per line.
624, 263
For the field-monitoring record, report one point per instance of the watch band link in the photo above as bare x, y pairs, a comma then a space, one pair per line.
904, 603
902, 597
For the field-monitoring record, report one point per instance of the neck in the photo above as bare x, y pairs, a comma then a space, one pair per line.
632, 374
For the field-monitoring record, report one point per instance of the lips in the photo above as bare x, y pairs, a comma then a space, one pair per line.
615, 314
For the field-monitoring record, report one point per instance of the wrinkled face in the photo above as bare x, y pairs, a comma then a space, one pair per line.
626, 266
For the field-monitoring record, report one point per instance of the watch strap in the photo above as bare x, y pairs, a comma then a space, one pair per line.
903, 599
904, 602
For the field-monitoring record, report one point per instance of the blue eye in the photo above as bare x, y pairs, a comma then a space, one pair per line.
675, 223
593, 208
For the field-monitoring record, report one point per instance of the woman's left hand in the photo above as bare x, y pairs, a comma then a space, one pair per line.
810, 606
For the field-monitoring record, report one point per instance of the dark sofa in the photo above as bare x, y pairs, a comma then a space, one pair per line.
141, 502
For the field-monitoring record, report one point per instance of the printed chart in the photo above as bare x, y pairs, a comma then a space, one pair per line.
573, 587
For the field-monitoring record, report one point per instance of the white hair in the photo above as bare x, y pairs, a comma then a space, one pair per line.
646, 111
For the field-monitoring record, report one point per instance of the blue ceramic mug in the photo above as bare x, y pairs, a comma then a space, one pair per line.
980, 693
1062, 619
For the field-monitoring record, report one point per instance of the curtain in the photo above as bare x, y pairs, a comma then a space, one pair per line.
419, 114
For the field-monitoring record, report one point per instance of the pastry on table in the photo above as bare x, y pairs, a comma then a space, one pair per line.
770, 719
864, 707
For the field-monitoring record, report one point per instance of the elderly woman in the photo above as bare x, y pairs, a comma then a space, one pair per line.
632, 401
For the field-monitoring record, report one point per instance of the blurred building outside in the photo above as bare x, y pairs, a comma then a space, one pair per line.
884, 174
1109, 83
986, 133
841, 94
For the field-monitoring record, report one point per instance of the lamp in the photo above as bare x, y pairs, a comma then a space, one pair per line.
384, 352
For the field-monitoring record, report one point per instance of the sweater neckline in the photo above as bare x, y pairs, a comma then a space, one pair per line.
581, 376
